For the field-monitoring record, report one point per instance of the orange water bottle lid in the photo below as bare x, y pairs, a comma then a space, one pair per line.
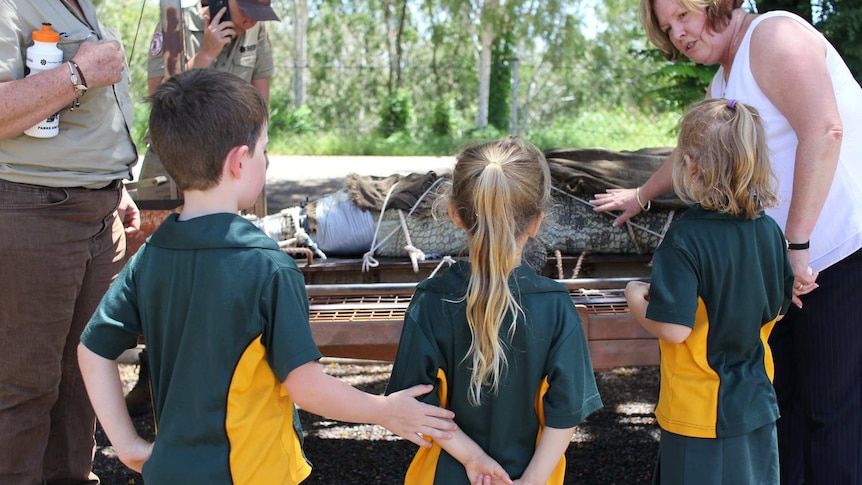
46, 34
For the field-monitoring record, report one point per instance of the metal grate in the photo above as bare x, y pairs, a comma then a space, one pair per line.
356, 307
602, 302
356, 315
608, 309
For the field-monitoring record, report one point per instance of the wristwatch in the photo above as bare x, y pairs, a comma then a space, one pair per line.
797, 246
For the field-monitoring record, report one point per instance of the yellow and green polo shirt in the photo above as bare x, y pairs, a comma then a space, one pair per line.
727, 278
549, 380
225, 316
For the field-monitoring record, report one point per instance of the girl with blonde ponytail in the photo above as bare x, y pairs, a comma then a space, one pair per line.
503, 345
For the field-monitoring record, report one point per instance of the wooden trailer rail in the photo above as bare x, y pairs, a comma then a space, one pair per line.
364, 321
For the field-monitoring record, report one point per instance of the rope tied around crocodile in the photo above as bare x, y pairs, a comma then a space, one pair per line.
415, 254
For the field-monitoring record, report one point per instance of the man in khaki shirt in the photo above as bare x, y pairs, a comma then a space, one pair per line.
64, 214
239, 46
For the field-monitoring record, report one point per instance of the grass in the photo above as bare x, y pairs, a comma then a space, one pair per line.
613, 130
616, 130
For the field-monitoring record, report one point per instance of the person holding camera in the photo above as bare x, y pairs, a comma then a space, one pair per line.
226, 35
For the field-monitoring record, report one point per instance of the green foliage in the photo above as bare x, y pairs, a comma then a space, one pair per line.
800, 7
840, 21
565, 75
296, 121
442, 120
488, 133
396, 113
844, 29
135, 22
676, 84
500, 96
614, 130
353, 143
284, 119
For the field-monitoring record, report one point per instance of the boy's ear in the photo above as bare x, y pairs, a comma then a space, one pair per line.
453, 214
535, 224
234, 160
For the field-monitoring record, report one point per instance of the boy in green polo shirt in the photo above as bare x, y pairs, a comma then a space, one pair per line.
720, 280
224, 313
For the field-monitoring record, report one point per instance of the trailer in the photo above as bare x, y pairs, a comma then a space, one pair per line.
356, 308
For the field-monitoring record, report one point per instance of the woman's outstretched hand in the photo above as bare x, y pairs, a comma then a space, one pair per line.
624, 200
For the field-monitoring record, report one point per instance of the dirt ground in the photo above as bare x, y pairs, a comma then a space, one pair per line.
617, 445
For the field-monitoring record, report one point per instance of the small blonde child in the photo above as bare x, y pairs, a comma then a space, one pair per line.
504, 346
721, 278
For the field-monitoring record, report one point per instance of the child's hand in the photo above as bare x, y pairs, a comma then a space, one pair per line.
135, 454
408, 418
484, 470
637, 290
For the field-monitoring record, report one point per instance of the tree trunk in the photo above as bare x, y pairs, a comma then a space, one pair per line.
300, 52
399, 49
486, 38
390, 46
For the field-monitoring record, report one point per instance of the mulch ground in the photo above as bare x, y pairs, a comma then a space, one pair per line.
615, 446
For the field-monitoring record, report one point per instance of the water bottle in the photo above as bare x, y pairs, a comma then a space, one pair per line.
42, 56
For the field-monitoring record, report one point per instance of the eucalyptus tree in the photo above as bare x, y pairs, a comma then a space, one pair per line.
620, 71
482, 19
550, 46
395, 17
345, 60
443, 67
299, 35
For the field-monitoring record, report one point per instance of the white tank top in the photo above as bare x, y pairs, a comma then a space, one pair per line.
838, 232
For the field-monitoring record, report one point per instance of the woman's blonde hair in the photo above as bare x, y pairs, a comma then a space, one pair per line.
722, 161
498, 189
718, 13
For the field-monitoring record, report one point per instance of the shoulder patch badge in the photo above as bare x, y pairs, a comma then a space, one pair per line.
156, 43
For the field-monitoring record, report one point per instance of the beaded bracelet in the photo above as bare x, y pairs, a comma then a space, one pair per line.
78, 83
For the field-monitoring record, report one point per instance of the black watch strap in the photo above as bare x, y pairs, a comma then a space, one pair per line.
798, 246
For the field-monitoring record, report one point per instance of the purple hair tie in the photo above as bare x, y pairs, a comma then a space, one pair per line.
731, 103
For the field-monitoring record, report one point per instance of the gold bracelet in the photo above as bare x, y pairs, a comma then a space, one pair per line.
638, 197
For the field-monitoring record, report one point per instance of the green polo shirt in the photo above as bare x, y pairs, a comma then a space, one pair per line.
248, 57
547, 345
225, 316
94, 145
728, 279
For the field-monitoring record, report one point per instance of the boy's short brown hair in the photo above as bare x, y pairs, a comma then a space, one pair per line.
197, 117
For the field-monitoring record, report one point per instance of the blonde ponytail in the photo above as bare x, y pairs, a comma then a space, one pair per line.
499, 188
